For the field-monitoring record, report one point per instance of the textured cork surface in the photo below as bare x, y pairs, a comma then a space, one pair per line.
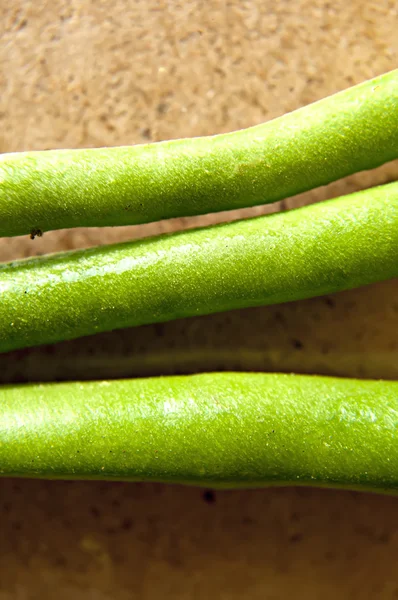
80, 73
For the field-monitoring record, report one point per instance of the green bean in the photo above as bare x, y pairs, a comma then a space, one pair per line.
218, 429
350, 334
319, 249
351, 131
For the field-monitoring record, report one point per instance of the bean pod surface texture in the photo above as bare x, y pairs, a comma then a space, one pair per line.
216, 429
319, 249
351, 131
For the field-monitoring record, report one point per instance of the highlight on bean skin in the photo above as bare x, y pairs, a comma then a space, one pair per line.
216, 429
351, 131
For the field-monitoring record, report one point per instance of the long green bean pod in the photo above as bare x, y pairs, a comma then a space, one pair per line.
348, 132
219, 429
319, 249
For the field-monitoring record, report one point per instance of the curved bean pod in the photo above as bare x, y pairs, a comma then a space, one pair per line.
219, 429
315, 250
348, 132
